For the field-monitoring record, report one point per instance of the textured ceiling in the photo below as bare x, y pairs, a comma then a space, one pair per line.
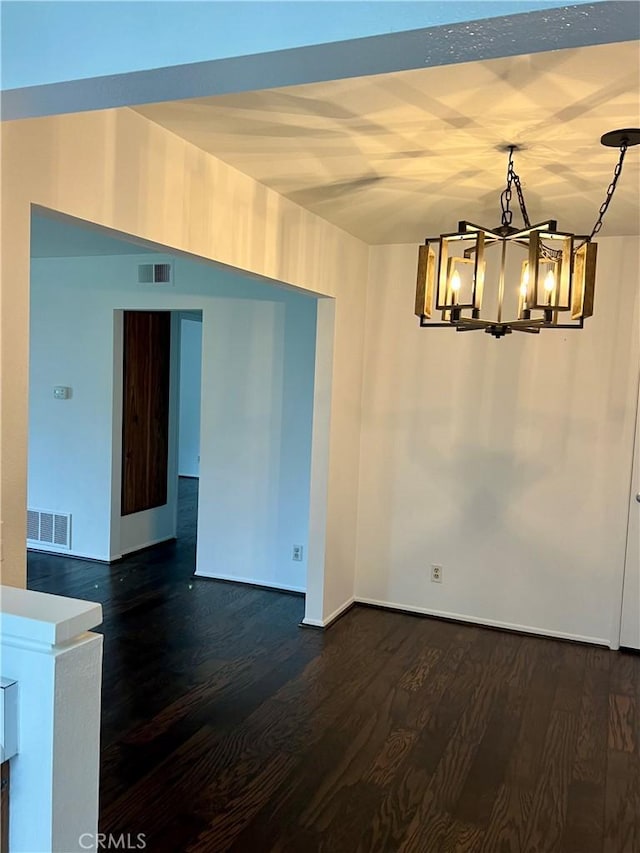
396, 157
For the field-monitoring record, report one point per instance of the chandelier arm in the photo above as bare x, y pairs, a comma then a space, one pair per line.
624, 145
545, 251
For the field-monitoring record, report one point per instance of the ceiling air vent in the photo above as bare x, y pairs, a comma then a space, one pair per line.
48, 528
155, 274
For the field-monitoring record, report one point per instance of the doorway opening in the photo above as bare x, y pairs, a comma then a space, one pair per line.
252, 464
189, 412
157, 400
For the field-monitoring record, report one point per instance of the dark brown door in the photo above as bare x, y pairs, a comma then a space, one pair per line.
145, 409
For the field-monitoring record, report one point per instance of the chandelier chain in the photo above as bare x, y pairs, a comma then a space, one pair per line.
506, 195
610, 191
513, 179
523, 206
507, 215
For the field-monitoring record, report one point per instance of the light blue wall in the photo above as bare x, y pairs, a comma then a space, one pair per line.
257, 399
47, 42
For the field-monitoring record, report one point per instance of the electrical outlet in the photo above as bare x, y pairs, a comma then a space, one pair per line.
436, 574
296, 553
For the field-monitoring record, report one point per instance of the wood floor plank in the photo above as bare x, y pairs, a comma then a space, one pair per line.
394, 812
488, 771
584, 821
548, 810
591, 746
239, 809
403, 797
342, 733
430, 822
507, 826
622, 719
621, 828
624, 674
462, 838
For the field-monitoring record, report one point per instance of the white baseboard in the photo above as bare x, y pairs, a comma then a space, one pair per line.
144, 545
324, 623
492, 623
252, 581
63, 552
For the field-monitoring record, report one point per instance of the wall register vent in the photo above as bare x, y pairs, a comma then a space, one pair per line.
155, 274
48, 528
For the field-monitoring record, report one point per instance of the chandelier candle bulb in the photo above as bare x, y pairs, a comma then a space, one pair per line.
549, 286
524, 287
455, 286
523, 311
557, 280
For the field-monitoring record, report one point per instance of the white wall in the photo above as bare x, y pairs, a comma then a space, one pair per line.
257, 393
189, 411
75, 447
70, 441
257, 404
505, 461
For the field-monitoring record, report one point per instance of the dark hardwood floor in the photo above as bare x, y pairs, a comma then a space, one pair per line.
228, 727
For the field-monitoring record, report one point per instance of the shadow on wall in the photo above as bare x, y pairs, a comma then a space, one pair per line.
506, 462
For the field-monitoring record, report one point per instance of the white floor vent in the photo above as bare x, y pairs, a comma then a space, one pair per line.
48, 528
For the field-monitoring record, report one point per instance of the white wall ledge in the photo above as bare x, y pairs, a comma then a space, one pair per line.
47, 648
38, 617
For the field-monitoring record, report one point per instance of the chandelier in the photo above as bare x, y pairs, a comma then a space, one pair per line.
537, 276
